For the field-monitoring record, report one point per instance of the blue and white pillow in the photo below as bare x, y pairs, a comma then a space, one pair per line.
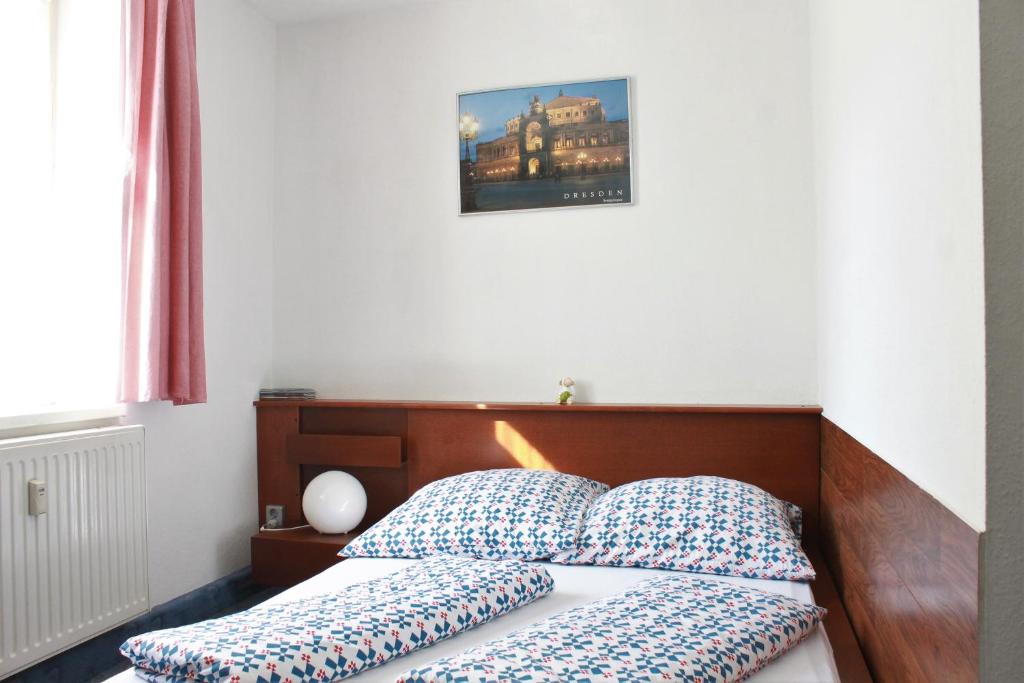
708, 525
676, 627
491, 514
340, 634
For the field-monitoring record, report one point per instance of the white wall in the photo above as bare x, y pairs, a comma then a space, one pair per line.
701, 292
201, 459
899, 213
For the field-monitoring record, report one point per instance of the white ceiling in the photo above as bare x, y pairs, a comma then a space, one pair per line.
297, 11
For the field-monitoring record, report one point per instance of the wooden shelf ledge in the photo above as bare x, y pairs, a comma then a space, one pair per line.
545, 407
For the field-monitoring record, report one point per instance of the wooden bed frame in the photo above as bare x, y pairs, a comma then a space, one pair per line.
906, 567
396, 447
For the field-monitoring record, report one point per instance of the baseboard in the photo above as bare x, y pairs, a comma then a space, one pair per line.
93, 658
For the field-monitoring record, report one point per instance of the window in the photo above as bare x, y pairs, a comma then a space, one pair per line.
60, 197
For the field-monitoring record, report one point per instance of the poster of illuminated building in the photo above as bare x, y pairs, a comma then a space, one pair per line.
546, 146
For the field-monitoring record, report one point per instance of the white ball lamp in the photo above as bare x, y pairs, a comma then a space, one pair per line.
334, 502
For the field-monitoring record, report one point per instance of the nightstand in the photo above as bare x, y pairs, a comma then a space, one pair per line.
284, 558
296, 441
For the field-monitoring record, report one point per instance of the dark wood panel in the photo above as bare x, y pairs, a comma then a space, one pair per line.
845, 649
905, 566
879, 607
320, 417
277, 479
340, 450
397, 406
778, 452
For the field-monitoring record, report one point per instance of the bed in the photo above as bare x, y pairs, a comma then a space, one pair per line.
397, 448
810, 661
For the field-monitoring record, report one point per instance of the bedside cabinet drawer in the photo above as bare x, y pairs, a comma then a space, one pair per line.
285, 558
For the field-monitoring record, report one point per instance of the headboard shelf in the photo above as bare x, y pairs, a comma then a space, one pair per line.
545, 407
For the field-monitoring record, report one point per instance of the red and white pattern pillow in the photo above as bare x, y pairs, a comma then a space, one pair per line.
708, 525
490, 514
677, 627
340, 634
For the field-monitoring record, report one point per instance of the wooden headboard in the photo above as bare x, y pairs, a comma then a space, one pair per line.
397, 447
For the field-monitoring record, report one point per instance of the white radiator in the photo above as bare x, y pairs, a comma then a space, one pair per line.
80, 568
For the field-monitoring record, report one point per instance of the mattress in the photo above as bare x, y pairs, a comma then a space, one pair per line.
809, 662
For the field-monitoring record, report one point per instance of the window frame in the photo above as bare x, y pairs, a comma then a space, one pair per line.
62, 419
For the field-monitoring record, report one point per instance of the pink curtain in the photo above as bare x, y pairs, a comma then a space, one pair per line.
162, 349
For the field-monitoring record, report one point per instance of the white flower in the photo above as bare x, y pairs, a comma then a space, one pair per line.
566, 382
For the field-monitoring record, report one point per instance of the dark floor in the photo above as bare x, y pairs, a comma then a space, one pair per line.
98, 659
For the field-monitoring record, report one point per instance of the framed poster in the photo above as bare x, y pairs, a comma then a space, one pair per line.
561, 145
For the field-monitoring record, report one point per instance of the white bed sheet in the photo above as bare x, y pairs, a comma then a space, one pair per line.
809, 662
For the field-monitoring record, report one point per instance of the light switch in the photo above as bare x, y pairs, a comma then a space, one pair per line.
36, 497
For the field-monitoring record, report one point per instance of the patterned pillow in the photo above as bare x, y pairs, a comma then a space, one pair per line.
680, 628
709, 525
492, 514
341, 633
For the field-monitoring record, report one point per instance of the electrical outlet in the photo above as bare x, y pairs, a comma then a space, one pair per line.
36, 497
275, 517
